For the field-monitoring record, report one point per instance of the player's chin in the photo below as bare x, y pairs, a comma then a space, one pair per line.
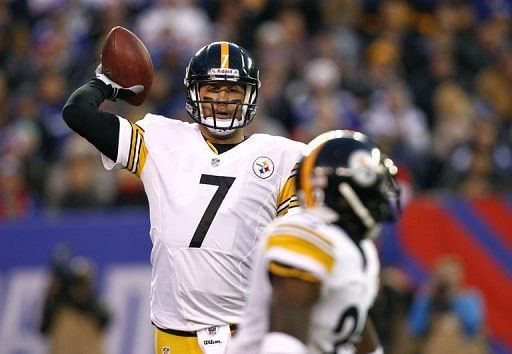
226, 136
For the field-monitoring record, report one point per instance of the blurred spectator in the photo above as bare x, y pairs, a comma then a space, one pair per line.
454, 121
399, 127
51, 90
15, 198
130, 191
174, 25
445, 317
73, 318
318, 104
390, 311
382, 59
453, 118
78, 181
480, 166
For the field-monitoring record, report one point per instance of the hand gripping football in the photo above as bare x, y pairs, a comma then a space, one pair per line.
126, 61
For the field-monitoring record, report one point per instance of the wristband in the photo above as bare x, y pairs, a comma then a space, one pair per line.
282, 343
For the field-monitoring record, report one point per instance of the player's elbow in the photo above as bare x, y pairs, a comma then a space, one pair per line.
71, 114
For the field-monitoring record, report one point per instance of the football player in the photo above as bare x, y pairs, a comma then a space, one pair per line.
316, 273
211, 190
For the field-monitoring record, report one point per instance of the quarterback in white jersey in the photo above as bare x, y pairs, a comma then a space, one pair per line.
316, 273
211, 191
207, 211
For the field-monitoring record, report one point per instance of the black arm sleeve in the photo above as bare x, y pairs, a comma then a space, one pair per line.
81, 114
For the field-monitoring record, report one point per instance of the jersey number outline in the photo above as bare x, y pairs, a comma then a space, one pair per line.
350, 313
224, 183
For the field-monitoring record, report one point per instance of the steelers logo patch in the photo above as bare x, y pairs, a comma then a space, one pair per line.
263, 167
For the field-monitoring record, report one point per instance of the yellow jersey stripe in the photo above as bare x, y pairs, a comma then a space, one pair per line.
143, 155
283, 207
224, 55
131, 154
138, 151
294, 202
287, 193
284, 271
141, 151
303, 247
308, 231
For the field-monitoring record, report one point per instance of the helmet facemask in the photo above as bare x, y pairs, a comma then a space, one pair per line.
243, 112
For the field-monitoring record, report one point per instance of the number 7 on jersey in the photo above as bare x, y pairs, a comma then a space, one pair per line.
224, 184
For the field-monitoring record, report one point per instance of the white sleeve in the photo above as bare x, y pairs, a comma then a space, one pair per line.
124, 144
281, 343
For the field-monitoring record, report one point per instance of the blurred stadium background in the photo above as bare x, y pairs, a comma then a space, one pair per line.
430, 81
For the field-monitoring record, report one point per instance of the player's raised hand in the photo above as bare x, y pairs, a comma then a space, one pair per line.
117, 90
126, 61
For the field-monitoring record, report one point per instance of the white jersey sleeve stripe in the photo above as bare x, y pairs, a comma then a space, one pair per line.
133, 144
123, 150
136, 153
297, 260
303, 245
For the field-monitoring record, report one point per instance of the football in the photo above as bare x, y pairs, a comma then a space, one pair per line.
126, 61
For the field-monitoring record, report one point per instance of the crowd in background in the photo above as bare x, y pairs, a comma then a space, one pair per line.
430, 81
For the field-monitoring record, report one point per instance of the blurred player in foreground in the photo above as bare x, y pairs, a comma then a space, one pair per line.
211, 191
316, 273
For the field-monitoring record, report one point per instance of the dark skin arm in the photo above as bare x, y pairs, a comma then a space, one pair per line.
291, 305
369, 339
290, 310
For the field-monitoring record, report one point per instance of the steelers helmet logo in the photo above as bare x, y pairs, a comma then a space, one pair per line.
263, 167
363, 168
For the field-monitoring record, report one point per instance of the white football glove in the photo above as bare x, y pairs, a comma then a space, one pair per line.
117, 90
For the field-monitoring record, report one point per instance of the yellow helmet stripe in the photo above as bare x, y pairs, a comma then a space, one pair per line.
224, 55
305, 173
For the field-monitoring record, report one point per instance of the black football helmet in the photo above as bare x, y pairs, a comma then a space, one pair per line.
345, 172
222, 62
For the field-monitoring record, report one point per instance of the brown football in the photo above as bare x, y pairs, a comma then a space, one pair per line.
126, 61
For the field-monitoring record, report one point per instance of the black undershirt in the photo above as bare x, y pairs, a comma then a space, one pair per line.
81, 113
223, 147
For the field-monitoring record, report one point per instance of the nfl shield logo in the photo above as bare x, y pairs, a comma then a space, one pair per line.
263, 167
166, 350
212, 331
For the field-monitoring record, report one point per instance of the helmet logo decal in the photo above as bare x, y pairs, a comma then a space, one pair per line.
363, 168
224, 71
263, 167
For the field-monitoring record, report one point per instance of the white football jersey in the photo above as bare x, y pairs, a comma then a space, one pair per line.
323, 252
207, 211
